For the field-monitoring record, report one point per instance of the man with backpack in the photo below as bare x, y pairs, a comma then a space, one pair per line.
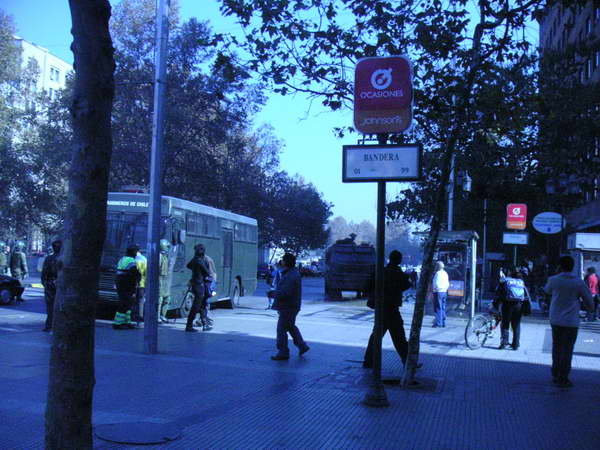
512, 294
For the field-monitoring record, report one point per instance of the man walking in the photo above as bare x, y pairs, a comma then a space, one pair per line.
439, 287
48, 278
288, 298
566, 290
395, 282
591, 279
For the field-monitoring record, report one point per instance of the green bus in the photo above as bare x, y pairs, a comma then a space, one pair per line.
230, 240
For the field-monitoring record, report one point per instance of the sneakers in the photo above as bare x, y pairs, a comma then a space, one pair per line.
279, 357
206, 328
304, 349
163, 319
191, 330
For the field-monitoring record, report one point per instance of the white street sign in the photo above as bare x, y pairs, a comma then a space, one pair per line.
548, 222
515, 238
381, 163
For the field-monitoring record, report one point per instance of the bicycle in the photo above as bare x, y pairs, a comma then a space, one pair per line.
480, 328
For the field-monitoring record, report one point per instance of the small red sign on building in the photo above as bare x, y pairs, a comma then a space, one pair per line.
383, 95
516, 216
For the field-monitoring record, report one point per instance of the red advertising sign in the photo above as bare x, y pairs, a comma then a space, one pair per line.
516, 216
383, 95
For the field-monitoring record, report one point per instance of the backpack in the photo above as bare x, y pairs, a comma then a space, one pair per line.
515, 289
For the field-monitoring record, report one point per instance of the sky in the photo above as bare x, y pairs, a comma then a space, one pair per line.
311, 150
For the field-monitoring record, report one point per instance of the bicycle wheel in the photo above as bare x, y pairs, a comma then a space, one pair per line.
477, 331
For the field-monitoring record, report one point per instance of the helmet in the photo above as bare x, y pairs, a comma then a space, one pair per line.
165, 245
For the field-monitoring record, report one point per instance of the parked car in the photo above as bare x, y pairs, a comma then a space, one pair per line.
10, 290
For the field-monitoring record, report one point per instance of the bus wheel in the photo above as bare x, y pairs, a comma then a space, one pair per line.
186, 306
235, 295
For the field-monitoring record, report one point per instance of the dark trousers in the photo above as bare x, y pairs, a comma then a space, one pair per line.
199, 292
511, 317
126, 299
392, 322
439, 307
563, 341
287, 324
49, 296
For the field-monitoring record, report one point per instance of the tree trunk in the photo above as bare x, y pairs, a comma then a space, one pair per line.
71, 379
461, 117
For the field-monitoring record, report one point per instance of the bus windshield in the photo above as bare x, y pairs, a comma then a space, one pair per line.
123, 229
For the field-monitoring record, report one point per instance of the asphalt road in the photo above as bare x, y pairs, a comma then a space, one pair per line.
312, 292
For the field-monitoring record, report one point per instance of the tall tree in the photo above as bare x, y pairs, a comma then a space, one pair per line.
71, 377
312, 47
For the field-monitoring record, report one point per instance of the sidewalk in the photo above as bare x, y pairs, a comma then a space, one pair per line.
222, 390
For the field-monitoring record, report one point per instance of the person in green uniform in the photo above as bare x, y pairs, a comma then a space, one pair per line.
127, 279
18, 262
3, 258
164, 288
49, 277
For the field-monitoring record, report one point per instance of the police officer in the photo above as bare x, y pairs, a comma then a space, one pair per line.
127, 278
200, 272
164, 294
140, 293
3, 259
18, 262
49, 276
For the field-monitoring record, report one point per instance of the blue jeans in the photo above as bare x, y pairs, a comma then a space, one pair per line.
439, 306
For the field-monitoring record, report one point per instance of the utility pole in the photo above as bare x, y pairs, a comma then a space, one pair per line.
152, 249
451, 196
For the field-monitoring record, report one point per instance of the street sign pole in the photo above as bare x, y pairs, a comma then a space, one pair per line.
152, 249
376, 395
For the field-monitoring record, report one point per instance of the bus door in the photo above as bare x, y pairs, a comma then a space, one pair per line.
227, 260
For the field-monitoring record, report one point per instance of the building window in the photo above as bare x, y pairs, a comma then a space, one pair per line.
588, 25
597, 14
54, 74
597, 59
52, 93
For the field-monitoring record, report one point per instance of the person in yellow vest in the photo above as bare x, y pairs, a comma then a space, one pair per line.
140, 293
127, 279
164, 289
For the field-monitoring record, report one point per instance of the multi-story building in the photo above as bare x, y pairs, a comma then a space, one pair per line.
574, 34
53, 70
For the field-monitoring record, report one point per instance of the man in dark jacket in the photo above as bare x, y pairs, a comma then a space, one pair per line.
288, 297
49, 276
200, 272
395, 282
